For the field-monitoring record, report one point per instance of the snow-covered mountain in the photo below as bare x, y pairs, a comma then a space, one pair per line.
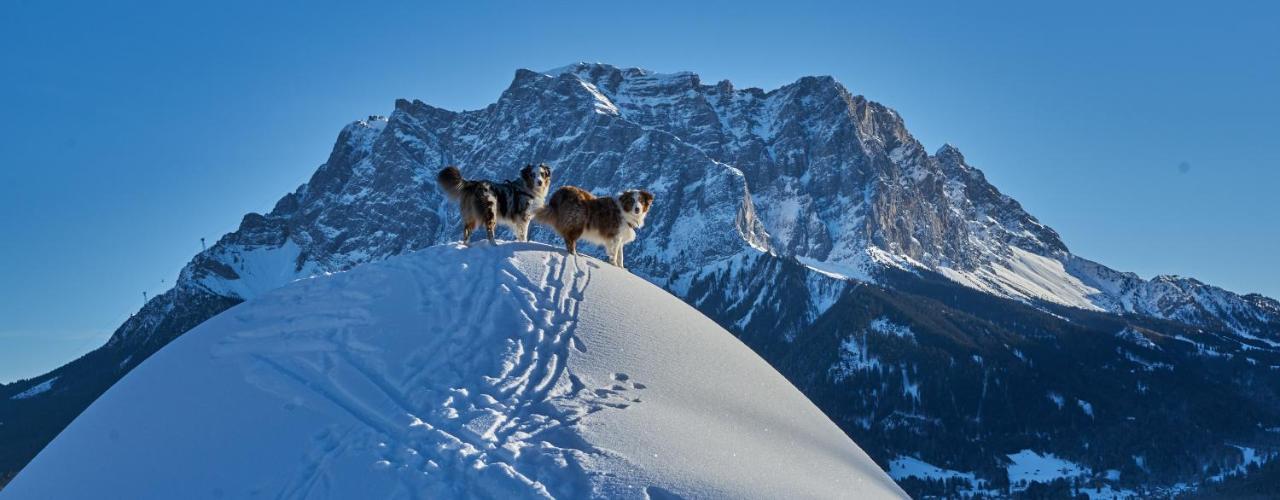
808, 170
838, 182
776, 211
509, 371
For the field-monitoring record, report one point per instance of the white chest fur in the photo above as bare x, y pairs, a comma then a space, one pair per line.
624, 234
537, 202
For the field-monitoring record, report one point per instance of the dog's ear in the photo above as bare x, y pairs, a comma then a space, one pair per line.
646, 198
546, 171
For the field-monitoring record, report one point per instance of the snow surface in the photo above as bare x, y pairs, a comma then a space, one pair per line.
1131, 335
258, 270
1085, 407
1248, 457
856, 356
1027, 466
904, 467
1030, 466
36, 390
888, 327
1057, 399
508, 371
1029, 276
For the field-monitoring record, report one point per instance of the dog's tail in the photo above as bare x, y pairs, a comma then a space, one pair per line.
546, 214
451, 181
559, 205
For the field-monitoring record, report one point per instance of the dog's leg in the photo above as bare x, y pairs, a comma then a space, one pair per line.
571, 241
467, 228
492, 227
621, 260
612, 250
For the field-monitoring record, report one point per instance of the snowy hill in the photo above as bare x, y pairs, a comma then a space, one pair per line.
802, 219
510, 371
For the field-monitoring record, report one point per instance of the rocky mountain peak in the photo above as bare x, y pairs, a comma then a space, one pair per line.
949, 154
808, 171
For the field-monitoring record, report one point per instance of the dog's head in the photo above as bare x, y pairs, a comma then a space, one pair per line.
635, 206
537, 179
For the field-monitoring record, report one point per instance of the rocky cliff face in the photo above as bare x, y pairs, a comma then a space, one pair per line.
808, 170
772, 208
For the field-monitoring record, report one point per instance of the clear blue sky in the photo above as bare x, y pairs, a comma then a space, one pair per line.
130, 130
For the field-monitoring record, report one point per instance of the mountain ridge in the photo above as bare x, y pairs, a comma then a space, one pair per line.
1020, 230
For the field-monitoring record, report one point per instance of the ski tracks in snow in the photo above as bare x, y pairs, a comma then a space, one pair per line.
480, 402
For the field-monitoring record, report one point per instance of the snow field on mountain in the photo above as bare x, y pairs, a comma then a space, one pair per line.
904, 467
1026, 275
1024, 467
1029, 466
36, 390
258, 270
507, 371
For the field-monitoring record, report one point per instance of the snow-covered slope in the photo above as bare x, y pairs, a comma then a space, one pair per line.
503, 371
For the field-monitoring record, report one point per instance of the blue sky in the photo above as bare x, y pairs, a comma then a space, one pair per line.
1142, 132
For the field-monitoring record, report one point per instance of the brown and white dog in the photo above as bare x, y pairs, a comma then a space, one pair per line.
609, 222
513, 203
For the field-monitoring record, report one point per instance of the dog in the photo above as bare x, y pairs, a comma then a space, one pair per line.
609, 222
513, 203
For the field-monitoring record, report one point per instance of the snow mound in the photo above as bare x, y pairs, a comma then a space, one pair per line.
508, 371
